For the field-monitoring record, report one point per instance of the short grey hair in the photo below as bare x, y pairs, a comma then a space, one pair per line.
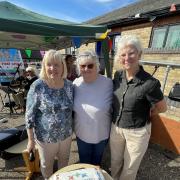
85, 56
128, 40
52, 55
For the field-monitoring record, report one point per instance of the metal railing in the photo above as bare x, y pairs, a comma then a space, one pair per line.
159, 63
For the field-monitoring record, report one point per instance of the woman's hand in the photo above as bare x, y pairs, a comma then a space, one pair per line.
31, 146
153, 112
159, 107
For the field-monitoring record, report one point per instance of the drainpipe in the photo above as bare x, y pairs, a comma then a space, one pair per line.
165, 78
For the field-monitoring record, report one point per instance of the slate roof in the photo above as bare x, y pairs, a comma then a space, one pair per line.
139, 7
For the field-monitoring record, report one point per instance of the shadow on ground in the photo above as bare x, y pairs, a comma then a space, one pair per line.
157, 164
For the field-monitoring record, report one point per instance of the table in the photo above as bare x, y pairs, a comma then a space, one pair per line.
80, 166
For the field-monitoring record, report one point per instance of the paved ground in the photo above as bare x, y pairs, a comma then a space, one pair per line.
158, 164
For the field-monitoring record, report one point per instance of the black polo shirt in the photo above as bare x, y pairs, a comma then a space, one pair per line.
132, 100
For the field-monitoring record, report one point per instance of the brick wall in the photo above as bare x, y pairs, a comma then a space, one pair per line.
63, 51
86, 47
142, 31
83, 47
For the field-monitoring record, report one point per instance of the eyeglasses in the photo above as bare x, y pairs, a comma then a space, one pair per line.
89, 66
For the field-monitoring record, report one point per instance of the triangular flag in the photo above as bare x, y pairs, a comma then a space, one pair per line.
28, 53
76, 42
102, 35
42, 53
98, 48
110, 44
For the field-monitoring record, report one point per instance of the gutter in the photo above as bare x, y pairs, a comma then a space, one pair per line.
143, 17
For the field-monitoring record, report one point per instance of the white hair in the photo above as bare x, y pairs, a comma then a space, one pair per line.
86, 56
29, 68
128, 40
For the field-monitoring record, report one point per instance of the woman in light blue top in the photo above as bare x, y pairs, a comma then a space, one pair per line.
49, 113
92, 105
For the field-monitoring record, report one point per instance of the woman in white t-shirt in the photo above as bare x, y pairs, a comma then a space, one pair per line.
92, 105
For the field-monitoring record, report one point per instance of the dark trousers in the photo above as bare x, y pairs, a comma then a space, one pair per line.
91, 153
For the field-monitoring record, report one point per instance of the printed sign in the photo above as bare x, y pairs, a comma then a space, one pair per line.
10, 62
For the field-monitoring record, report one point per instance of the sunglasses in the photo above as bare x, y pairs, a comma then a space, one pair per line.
89, 66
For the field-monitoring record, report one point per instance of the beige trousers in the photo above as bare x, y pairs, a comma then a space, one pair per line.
48, 152
128, 147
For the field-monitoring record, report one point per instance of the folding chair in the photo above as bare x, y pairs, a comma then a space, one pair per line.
19, 100
6, 98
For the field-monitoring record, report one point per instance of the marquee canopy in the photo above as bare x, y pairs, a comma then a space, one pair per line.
21, 29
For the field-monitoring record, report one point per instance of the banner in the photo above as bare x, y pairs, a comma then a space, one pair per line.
10, 62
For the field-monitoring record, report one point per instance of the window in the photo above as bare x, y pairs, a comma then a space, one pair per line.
173, 38
166, 36
71, 50
115, 44
158, 37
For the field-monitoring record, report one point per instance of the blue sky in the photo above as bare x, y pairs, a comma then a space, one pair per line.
72, 10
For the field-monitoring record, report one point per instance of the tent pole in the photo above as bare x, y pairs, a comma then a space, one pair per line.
105, 51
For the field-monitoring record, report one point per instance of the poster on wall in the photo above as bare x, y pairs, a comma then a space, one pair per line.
10, 63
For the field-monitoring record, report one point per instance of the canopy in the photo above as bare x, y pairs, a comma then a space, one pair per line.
24, 29
21, 28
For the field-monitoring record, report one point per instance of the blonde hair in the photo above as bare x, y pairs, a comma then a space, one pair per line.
128, 40
52, 55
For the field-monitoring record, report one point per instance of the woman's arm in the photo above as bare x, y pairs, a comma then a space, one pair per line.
159, 107
31, 141
31, 112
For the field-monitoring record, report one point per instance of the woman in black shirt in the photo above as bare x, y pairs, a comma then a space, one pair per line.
137, 96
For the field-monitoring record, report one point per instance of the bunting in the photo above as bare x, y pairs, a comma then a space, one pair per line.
102, 35
28, 53
76, 42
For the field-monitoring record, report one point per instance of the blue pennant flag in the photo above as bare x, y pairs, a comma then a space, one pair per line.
98, 48
76, 42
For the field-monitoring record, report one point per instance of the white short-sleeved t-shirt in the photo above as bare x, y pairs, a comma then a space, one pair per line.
92, 106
